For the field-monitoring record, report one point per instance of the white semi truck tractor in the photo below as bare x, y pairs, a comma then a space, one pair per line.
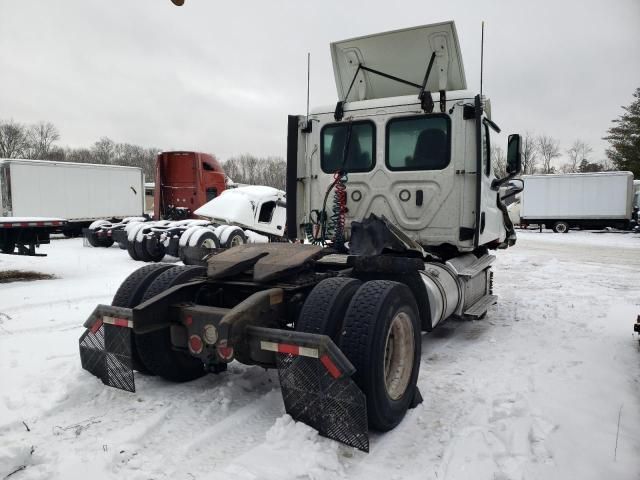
393, 210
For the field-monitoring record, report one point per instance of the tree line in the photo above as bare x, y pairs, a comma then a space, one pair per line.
540, 153
38, 142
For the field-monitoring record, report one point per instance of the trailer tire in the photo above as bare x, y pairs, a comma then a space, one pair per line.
154, 248
155, 348
130, 294
324, 309
8, 246
561, 227
378, 309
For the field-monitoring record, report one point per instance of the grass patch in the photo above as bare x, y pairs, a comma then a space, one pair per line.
9, 276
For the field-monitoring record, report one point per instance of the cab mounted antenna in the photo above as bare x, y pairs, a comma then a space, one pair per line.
481, 57
307, 125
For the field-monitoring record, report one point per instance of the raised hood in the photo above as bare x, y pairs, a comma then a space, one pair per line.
401, 53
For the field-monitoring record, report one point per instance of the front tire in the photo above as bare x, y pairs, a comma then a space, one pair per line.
381, 338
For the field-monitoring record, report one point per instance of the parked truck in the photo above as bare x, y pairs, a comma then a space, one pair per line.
577, 200
184, 182
250, 214
393, 192
67, 196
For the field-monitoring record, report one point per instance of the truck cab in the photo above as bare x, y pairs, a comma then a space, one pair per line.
422, 163
392, 203
184, 182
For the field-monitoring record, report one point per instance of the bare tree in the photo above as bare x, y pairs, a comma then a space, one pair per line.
580, 150
103, 151
499, 161
548, 148
13, 140
246, 168
529, 154
41, 137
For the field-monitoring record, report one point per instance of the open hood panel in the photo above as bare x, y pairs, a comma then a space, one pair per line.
401, 53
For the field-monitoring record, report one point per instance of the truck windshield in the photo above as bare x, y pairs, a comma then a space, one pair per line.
360, 149
418, 143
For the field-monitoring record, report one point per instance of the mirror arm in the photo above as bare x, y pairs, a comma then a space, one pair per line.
496, 183
515, 192
492, 125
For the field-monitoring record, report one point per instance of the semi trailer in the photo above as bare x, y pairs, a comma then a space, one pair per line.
393, 211
38, 197
577, 200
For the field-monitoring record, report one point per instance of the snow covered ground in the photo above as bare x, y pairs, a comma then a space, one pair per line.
536, 390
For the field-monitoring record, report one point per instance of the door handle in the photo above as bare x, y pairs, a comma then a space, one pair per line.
419, 198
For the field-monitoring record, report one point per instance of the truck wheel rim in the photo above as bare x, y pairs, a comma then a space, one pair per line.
236, 240
561, 228
208, 243
398, 355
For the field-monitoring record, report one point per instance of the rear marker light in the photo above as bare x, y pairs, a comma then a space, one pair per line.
195, 344
225, 353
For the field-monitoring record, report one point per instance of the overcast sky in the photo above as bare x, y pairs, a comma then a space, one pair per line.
221, 76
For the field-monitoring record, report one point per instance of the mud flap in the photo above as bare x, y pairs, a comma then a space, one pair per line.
317, 389
337, 408
105, 347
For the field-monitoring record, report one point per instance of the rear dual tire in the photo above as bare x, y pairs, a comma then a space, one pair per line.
377, 327
130, 294
155, 349
92, 236
381, 338
148, 249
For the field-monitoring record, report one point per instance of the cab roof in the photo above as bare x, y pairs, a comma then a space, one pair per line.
408, 100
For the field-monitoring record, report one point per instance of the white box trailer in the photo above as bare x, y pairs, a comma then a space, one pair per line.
77, 192
585, 200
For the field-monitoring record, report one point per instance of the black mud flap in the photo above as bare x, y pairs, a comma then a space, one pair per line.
317, 389
105, 347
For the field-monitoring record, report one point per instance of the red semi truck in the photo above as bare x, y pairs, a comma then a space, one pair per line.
184, 182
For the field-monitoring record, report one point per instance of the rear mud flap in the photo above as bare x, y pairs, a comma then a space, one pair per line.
337, 408
105, 351
316, 384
